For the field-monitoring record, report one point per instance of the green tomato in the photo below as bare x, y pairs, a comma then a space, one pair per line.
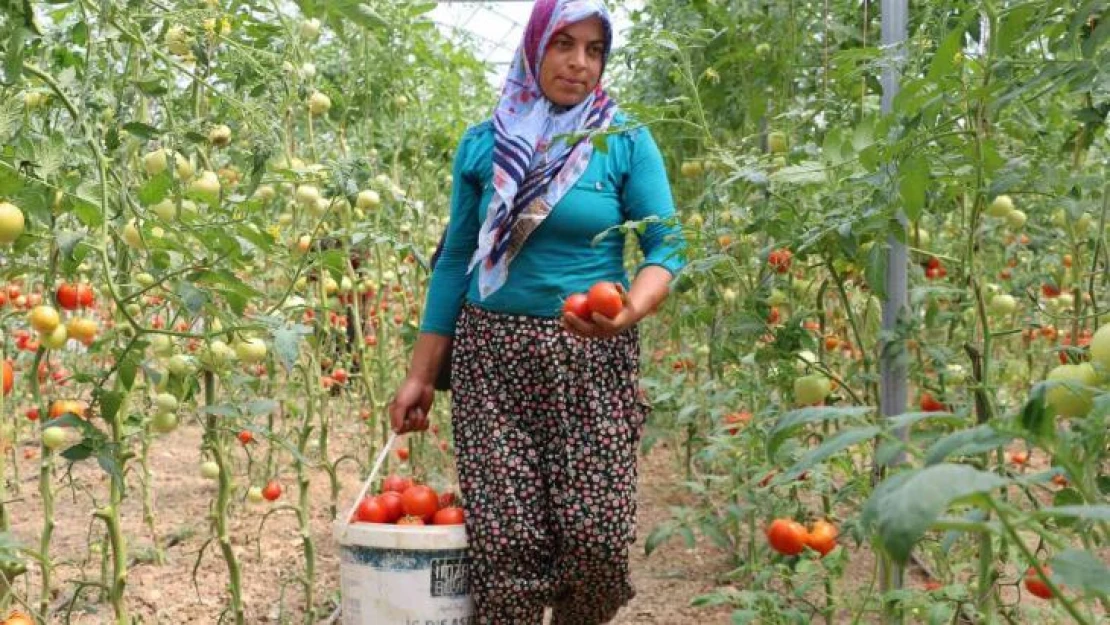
1071, 401
164, 422
209, 470
811, 389
55, 437
1000, 207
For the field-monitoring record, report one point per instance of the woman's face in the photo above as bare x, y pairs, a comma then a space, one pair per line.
573, 61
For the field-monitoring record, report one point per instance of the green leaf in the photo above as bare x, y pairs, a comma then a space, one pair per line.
78, 452
904, 506
155, 189
222, 410
127, 369
1089, 513
259, 407
797, 418
945, 56
1081, 570
661, 534
287, 345
1034, 417
913, 179
909, 419
110, 402
420, 8
67, 241
152, 85
876, 270
88, 212
141, 130
193, 298
1066, 497
107, 461
828, 449
977, 440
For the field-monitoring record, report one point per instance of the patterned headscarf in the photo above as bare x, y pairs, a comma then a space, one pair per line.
532, 170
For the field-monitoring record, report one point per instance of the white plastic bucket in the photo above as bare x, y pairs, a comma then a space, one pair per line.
402, 575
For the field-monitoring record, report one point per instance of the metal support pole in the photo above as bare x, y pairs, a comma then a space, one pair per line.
893, 365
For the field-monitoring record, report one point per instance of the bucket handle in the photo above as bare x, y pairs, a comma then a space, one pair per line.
366, 485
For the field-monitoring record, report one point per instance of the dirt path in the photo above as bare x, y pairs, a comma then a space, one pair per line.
667, 580
271, 559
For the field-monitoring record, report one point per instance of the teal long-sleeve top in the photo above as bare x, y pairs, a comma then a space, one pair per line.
626, 182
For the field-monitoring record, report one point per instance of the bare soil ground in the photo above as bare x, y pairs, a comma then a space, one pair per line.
271, 556
272, 559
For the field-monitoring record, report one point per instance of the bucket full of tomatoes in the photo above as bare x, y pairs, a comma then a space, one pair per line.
403, 556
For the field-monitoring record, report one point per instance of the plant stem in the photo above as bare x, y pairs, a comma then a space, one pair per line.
214, 442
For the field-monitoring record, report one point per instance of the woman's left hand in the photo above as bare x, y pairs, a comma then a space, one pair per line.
602, 327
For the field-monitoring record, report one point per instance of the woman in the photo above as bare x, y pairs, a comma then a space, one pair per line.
545, 405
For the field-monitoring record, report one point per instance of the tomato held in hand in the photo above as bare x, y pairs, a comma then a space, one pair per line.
420, 501
577, 304
371, 510
448, 516
605, 299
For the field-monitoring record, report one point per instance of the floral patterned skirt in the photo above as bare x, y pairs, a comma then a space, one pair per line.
547, 427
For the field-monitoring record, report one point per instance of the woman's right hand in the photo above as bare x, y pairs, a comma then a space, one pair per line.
409, 409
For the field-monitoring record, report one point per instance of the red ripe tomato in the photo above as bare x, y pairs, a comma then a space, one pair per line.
403, 454
822, 538
339, 375
393, 508
774, 316
85, 295
420, 501
371, 510
33, 414
246, 437
1050, 290
272, 490
1035, 585
787, 536
780, 260
446, 499
577, 304
930, 403
67, 296
932, 263
396, 483
737, 420
448, 516
9, 377
410, 520
604, 299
